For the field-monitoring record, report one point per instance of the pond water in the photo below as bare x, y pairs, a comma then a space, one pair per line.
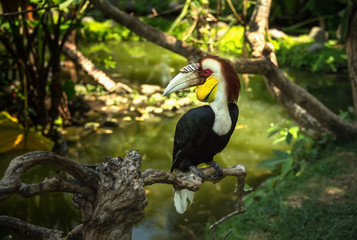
249, 145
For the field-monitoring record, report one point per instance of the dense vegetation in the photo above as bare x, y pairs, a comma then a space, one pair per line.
316, 202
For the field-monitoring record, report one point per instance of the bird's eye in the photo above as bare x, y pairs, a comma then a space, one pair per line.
207, 72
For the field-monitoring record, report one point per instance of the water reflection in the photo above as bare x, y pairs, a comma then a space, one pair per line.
140, 62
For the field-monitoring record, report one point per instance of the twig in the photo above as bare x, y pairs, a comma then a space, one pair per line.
189, 32
240, 191
27, 11
228, 234
175, 9
238, 17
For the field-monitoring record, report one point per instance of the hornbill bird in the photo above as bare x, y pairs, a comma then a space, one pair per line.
204, 131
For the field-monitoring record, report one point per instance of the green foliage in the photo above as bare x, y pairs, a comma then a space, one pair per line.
106, 30
84, 89
293, 52
29, 46
302, 207
292, 161
68, 88
232, 42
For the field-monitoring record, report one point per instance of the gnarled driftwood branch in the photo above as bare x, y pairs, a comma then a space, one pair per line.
111, 195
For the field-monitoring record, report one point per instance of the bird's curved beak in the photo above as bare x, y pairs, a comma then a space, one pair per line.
188, 77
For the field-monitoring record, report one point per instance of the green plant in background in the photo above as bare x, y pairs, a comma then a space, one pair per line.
94, 30
34, 43
294, 52
283, 161
285, 164
232, 41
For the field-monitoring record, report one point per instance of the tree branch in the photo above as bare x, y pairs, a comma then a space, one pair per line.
7, 14
55, 185
75, 234
91, 70
29, 231
150, 33
314, 118
11, 182
240, 191
192, 182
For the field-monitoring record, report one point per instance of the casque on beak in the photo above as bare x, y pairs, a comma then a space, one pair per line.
188, 77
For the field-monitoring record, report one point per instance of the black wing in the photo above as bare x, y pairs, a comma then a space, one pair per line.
192, 131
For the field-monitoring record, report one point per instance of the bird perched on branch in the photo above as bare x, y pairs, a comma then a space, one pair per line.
204, 131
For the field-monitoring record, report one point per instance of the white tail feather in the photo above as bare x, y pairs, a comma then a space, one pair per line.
183, 198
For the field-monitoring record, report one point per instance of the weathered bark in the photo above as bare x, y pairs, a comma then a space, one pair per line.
111, 197
29, 231
91, 70
11, 181
119, 202
351, 49
258, 25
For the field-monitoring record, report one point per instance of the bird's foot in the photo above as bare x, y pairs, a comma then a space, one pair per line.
219, 174
198, 172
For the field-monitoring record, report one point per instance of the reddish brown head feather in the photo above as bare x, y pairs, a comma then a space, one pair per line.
231, 77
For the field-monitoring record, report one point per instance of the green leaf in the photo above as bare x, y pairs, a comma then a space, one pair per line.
68, 88
281, 154
273, 130
282, 139
280, 158
58, 121
288, 138
66, 4
286, 167
271, 162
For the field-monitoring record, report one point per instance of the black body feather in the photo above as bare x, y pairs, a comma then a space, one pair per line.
195, 141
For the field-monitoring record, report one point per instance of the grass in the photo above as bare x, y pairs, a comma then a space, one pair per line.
320, 203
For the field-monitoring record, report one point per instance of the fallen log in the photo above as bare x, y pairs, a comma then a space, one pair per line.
92, 71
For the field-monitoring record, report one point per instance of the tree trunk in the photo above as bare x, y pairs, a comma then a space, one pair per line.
310, 114
119, 203
351, 49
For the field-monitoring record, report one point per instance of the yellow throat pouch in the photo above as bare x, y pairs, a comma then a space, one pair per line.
207, 91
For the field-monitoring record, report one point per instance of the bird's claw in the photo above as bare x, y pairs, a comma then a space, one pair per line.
198, 172
219, 174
